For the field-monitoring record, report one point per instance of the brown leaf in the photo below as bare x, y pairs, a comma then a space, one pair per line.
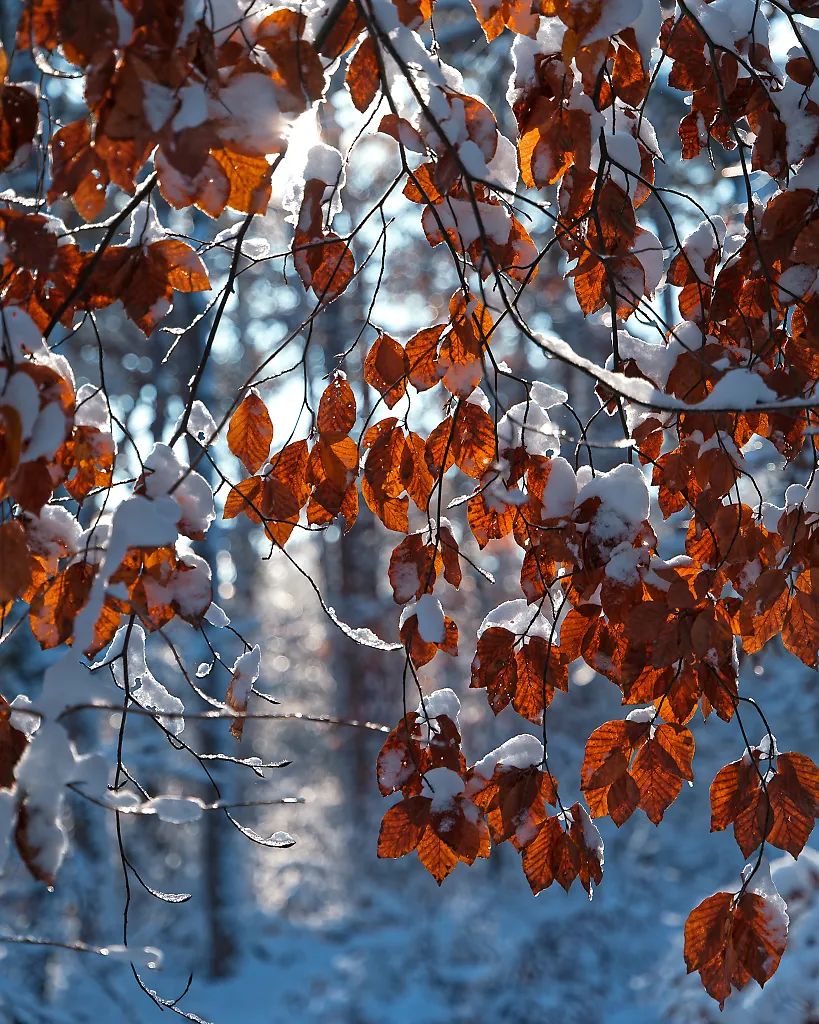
436, 855
515, 800
78, 170
413, 569
660, 766
487, 522
495, 668
13, 743
33, 834
402, 827
385, 369
589, 845
473, 440
551, 854
402, 131
54, 608
800, 632
763, 610
344, 32
245, 496
336, 411
19, 118
250, 432
422, 357
605, 779
87, 459
363, 79
15, 562
730, 938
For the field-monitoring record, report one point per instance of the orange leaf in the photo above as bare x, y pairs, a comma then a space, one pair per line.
422, 356
54, 607
473, 440
731, 938
385, 369
402, 827
246, 496
363, 79
495, 668
250, 432
15, 562
437, 856
551, 855
336, 411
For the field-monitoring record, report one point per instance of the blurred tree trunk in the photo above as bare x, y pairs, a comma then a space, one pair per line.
351, 576
220, 946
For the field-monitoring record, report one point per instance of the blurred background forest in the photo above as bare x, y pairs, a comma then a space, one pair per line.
323, 931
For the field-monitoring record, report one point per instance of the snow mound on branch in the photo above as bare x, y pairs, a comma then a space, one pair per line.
431, 625
521, 751
776, 910
165, 474
92, 409
440, 702
176, 810
445, 785
560, 490
521, 619
145, 690
216, 616
361, 634
54, 533
200, 423
18, 330
624, 500
738, 389
307, 159
655, 359
145, 228
245, 672
528, 424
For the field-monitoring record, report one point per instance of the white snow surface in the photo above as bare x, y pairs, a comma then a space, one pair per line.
502, 169
741, 388
529, 426
177, 810
446, 785
560, 491
216, 616
521, 618
649, 251
92, 408
145, 228
776, 910
624, 498
247, 112
440, 702
308, 158
655, 359
245, 672
19, 331
54, 533
49, 431
193, 495
431, 624
520, 751
20, 392
200, 423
